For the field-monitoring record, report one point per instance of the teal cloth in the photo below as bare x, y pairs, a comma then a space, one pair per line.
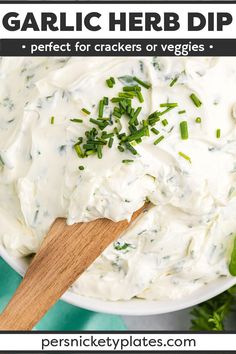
62, 316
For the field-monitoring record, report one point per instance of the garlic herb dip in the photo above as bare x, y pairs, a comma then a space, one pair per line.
185, 165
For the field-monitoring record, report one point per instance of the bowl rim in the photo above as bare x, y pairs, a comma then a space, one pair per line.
133, 307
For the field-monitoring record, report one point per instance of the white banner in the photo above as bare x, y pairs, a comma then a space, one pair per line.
134, 342
104, 20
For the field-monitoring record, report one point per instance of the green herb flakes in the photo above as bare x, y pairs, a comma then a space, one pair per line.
120, 246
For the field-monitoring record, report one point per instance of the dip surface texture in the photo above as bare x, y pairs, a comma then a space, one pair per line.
185, 240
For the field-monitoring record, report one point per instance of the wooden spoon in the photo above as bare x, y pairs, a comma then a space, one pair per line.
65, 254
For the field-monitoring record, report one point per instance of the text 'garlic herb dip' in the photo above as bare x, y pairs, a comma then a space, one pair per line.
85, 138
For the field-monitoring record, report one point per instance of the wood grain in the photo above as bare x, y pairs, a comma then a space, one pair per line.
65, 254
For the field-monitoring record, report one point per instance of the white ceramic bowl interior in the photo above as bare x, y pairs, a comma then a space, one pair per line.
134, 307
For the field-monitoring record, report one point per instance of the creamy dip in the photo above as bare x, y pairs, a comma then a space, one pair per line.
184, 241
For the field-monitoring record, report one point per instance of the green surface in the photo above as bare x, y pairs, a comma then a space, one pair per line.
62, 316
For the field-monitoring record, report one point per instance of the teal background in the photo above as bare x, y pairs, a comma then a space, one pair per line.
62, 316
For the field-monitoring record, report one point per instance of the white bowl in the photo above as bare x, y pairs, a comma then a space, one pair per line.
134, 307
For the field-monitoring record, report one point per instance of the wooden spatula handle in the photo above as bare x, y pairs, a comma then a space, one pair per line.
64, 255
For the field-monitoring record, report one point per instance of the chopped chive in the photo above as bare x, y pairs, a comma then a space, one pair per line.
110, 82
116, 114
155, 131
117, 99
218, 133
131, 148
153, 121
106, 135
95, 121
99, 151
100, 108
93, 132
173, 82
89, 146
124, 104
120, 148
153, 118
126, 94
85, 111
121, 109
145, 122
128, 110
52, 120
90, 152
110, 142
104, 118
145, 125
169, 105
131, 112
76, 120
195, 100
140, 97
142, 83
186, 157
198, 120
122, 135
132, 128
164, 122
158, 140
135, 116
184, 130
127, 161
132, 88
80, 140
165, 111
97, 142
78, 150
81, 168
105, 101
182, 112
101, 124
116, 131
